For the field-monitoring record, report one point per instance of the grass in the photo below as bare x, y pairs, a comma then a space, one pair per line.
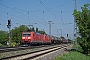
73, 56
78, 47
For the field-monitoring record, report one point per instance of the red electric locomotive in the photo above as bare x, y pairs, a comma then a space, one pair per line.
32, 38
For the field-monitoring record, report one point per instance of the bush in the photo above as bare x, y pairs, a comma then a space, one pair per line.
13, 44
73, 56
0, 44
80, 48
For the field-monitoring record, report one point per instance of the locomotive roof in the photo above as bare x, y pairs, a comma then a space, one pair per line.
35, 32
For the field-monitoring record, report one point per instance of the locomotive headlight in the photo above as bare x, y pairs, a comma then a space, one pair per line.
23, 37
29, 37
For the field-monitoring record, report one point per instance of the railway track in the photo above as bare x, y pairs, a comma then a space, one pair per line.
9, 49
33, 55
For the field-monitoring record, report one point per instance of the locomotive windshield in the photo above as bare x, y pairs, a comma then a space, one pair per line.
26, 34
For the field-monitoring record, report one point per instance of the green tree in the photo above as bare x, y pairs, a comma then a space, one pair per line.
62, 37
3, 37
79, 40
33, 29
36, 29
70, 41
82, 19
41, 32
17, 33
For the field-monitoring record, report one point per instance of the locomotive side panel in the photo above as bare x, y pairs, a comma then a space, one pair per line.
37, 38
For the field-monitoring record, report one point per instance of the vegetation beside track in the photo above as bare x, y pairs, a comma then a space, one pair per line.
73, 56
82, 20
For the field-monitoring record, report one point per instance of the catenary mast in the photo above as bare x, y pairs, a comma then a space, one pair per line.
75, 25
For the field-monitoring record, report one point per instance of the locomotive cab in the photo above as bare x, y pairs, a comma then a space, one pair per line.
26, 37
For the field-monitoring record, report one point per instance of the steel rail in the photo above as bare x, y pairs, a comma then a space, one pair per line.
21, 56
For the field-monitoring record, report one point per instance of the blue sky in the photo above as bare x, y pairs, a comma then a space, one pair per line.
40, 11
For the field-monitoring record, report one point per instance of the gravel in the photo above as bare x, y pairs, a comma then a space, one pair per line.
52, 55
49, 56
13, 53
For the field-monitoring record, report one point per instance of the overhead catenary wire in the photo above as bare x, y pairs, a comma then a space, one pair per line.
48, 9
62, 5
34, 11
25, 11
14, 8
52, 13
11, 16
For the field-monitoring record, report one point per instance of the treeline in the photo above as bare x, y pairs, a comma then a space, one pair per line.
16, 35
82, 19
